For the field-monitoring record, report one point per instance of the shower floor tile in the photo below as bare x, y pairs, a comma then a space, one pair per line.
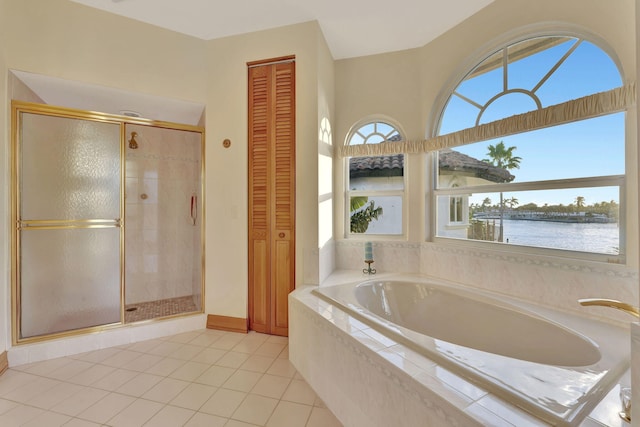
256, 390
160, 308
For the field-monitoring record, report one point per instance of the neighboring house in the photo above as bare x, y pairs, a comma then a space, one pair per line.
454, 170
459, 170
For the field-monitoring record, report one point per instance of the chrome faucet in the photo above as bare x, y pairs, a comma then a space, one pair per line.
627, 308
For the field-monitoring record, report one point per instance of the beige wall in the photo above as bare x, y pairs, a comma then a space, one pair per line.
227, 219
5, 253
63, 39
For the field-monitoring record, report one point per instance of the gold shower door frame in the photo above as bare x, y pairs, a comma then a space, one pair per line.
19, 107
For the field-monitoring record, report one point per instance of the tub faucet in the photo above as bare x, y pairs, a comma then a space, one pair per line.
627, 308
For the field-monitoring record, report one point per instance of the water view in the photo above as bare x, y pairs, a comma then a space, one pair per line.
585, 237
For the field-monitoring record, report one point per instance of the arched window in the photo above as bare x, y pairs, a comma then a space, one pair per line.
556, 186
375, 185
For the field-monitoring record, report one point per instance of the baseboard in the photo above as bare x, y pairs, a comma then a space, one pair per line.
4, 362
225, 323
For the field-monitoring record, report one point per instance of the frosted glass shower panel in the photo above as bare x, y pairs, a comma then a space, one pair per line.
70, 279
70, 168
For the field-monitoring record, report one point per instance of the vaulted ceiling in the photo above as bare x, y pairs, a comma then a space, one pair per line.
351, 27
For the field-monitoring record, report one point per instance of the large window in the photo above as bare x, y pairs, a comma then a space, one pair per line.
557, 186
375, 187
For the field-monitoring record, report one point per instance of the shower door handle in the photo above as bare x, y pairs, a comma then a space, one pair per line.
194, 209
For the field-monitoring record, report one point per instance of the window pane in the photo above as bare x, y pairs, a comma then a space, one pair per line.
574, 150
376, 215
531, 69
379, 173
577, 219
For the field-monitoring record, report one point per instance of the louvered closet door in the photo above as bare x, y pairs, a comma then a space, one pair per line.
271, 194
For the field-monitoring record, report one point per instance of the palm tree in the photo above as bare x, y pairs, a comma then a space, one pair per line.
579, 202
360, 218
512, 202
502, 157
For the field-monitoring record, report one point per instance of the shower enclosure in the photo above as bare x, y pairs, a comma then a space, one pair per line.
107, 220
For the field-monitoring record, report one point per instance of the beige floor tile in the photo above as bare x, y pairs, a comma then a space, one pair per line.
236, 423
299, 392
223, 402
166, 390
215, 376
255, 409
186, 352
139, 384
77, 422
321, 417
79, 401
209, 356
270, 349
205, 339
48, 419
55, 395
136, 414
120, 359
242, 380
144, 346
170, 416
115, 379
193, 396
289, 414
142, 363
45, 367
19, 415
278, 339
189, 371
231, 379
257, 363
6, 405
165, 348
206, 420
12, 380
70, 370
271, 386
97, 356
282, 367
106, 408
165, 367
91, 375
185, 337
232, 360
32, 389
227, 342
284, 354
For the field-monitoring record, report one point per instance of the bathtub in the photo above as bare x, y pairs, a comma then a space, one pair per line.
552, 364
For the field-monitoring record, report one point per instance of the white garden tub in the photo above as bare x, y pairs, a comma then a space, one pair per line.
552, 364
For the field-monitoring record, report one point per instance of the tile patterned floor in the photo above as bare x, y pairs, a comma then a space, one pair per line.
154, 309
201, 378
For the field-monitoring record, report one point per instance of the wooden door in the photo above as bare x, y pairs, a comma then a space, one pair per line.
271, 193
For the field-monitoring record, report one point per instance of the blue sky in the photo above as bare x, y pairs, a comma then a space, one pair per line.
591, 147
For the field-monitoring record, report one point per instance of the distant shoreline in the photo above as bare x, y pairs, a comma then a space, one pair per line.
571, 219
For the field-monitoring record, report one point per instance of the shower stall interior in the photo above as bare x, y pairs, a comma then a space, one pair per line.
107, 214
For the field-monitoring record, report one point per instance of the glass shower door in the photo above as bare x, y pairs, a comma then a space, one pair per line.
68, 232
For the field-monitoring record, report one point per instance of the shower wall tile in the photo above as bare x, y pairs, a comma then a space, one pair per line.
167, 263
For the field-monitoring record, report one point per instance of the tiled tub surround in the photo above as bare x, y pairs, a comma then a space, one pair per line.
367, 379
545, 280
555, 365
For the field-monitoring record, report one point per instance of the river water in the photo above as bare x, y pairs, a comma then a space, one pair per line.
598, 238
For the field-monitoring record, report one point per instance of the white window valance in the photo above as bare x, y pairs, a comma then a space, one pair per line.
599, 104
